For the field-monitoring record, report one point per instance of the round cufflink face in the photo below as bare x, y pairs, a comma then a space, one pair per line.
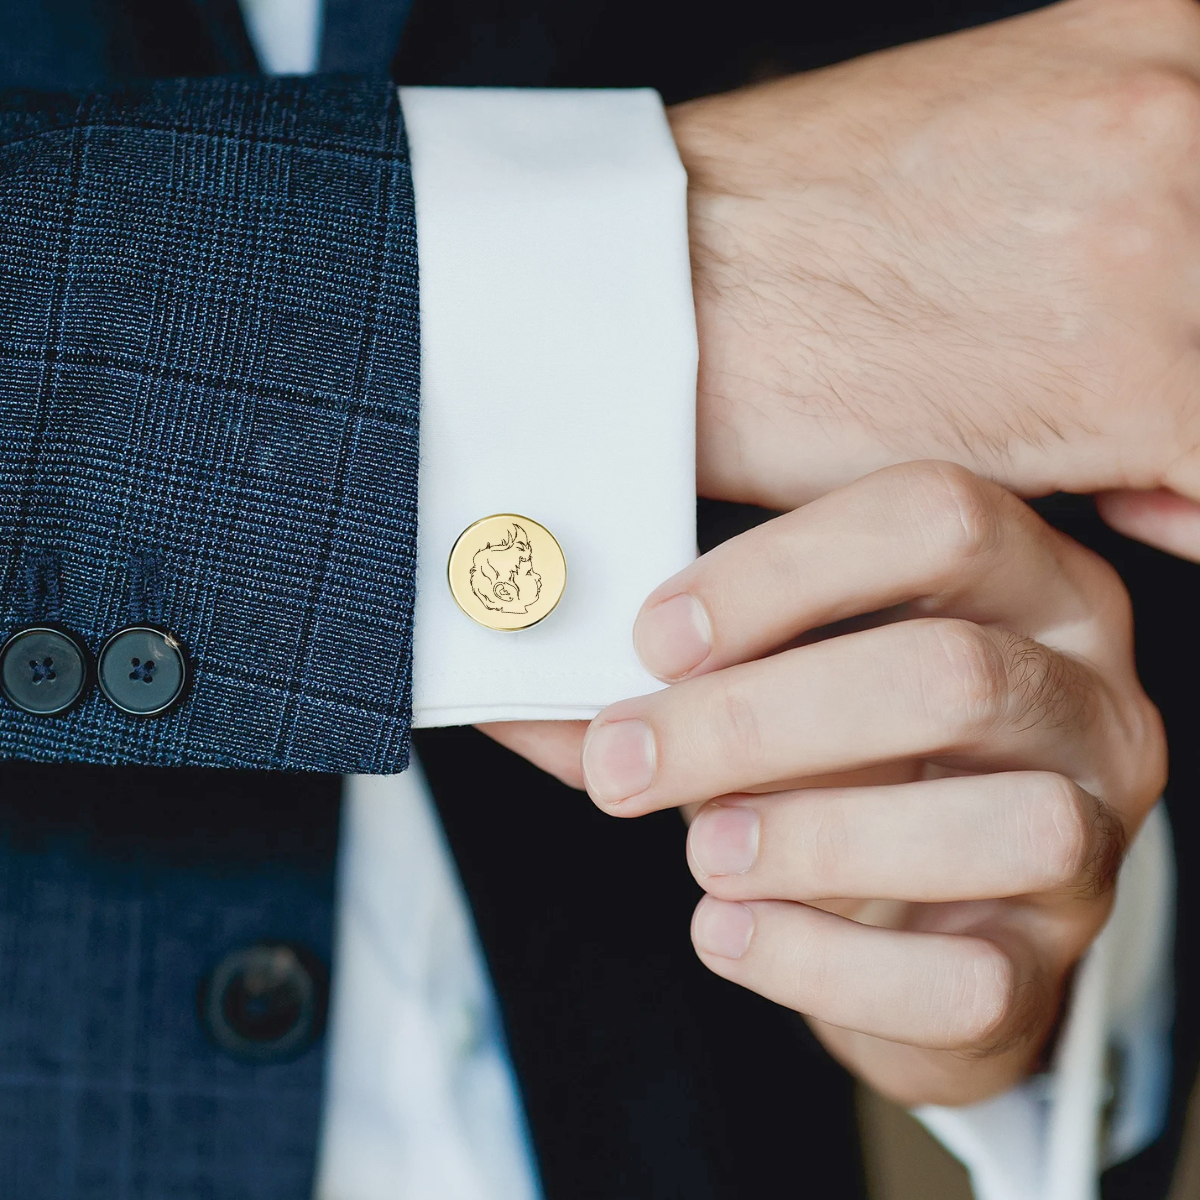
507, 572
143, 670
44, 670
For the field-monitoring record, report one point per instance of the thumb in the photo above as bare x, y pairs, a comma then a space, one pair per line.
1160, 518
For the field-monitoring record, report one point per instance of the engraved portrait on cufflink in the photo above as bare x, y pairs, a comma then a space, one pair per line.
507, 571
502, 574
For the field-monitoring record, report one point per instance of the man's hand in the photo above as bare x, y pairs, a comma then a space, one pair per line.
958, 750
984, 248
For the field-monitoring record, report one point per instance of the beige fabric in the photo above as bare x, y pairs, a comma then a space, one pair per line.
1186, 1185
903, 1161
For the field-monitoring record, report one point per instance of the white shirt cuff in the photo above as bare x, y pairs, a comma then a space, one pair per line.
558, 381
1106, 1098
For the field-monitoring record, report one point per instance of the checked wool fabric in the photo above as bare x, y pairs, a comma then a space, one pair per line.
209, 360
120, 892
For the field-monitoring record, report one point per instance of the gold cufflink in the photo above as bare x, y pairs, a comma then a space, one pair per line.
507, 572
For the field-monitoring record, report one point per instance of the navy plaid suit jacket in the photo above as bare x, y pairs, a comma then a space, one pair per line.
209, 355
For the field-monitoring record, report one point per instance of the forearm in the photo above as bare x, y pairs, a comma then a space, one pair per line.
975, 248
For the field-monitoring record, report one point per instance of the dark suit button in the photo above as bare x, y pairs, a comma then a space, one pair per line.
44, 669
265, 1002
143, 670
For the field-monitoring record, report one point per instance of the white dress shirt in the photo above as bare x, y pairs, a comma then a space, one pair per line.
420, 1100
558, 350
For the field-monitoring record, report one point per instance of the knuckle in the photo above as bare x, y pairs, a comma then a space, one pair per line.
1103, 853
976, 679
1109, 845
1046, 688
990, 1001
965, 681
1108, 594
1078, 841
1062, 828
1151, 738
1000, 1010
955, 510
1140, 768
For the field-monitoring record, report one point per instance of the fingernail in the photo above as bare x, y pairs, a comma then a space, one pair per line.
722, 928
724, 841
673, 637
618, 760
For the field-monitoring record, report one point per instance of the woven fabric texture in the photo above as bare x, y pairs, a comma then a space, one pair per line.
209, 360
120, 893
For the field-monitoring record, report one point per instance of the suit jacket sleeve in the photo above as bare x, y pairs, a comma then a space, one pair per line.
209, 361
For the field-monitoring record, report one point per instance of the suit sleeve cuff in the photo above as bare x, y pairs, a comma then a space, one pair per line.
558, 382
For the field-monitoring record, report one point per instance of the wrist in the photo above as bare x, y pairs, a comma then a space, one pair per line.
772, 419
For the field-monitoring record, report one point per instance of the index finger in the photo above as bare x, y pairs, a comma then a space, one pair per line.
928, 532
